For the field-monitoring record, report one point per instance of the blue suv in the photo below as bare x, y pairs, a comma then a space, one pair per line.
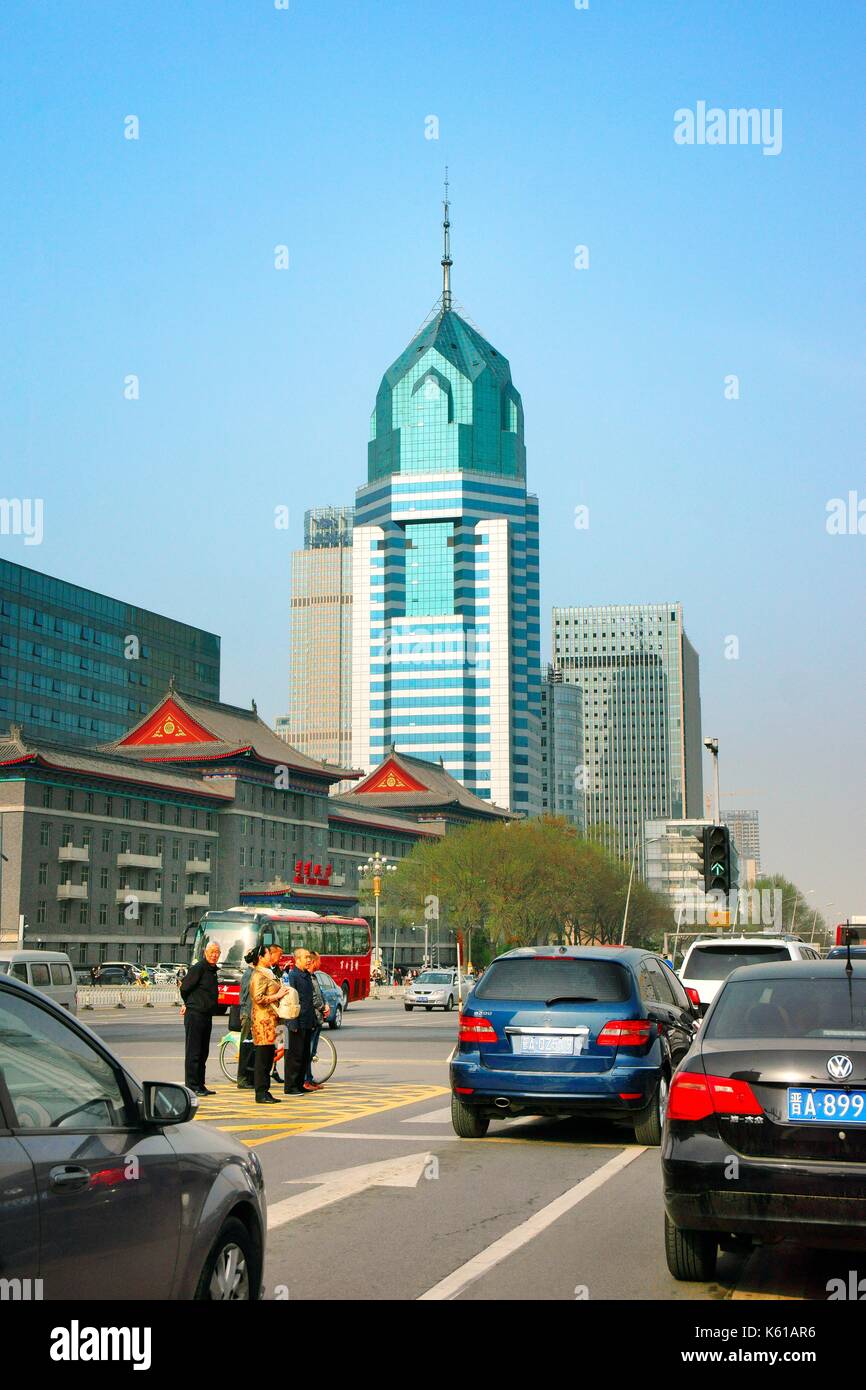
595, 1031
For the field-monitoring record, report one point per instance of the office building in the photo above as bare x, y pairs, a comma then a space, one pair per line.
445, 645
319, 722
77, 667
746, 835
563, 771
639, 675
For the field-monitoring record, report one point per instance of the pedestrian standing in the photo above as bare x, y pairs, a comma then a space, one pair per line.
265, 994
246, 1046
322, 1011
199, 992
299, 1031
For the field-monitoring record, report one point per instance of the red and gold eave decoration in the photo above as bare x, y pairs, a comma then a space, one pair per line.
169, 727
391, 778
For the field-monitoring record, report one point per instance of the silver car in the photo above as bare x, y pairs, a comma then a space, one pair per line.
434, 989
107, 1190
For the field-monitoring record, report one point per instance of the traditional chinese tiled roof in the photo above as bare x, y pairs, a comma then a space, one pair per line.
402, 782
185, 729
14, 750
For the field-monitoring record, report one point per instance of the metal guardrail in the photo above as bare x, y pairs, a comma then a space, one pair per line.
126, 996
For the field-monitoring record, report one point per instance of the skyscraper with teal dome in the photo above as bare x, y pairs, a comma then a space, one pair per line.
446, 639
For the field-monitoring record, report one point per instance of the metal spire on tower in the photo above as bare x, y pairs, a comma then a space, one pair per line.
446, 258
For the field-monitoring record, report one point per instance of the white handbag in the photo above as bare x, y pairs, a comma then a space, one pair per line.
290, 1004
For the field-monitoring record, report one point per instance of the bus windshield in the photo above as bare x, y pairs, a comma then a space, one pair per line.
234, 936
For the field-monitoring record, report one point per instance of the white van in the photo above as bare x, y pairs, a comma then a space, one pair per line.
48, 971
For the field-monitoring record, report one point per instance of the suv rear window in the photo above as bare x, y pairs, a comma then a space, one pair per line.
793, 1008
716, 962
562, 977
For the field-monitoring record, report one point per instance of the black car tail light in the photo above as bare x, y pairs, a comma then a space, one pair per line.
694, 1096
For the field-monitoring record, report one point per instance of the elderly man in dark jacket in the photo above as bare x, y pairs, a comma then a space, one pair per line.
199, 991
299, 1031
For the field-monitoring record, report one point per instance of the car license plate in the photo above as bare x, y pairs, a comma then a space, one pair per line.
545, 1045
826, 1107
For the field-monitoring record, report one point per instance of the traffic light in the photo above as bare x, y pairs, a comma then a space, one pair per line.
717, 859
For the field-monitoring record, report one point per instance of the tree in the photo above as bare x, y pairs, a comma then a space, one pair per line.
528, 882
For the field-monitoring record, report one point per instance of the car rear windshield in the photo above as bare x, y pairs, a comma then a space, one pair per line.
716, 962
791, 1008
562, 977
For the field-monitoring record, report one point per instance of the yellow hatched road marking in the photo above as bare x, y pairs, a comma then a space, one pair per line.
236, 1112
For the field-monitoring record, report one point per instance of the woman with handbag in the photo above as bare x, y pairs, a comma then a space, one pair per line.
265, 994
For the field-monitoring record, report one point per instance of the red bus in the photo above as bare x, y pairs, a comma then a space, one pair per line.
344, 944
854, 930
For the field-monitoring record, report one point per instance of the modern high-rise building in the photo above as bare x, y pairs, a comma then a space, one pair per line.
446, 642
79, 667
746, 834
563, 771
319, 721
641, 715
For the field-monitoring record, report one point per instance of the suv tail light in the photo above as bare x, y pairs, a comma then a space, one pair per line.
694, 1096
476, 1030
693, 995
626, 1032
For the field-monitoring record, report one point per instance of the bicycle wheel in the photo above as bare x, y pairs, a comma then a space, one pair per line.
229, 1056
324, 1064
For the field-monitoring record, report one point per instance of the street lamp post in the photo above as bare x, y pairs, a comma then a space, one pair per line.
375, 869
712, 746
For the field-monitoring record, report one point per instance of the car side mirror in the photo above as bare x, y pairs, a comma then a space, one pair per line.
167, 1103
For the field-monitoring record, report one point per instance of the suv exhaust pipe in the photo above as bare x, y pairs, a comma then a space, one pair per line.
502, 1103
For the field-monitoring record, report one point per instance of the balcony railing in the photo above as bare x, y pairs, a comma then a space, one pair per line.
77, 854
198, 866
72, 890
196, 900
130, 860
141, 895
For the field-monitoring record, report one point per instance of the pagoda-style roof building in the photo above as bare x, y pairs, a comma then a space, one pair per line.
214, 736
413, 787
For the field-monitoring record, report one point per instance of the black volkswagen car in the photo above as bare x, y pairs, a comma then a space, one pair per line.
765, 1135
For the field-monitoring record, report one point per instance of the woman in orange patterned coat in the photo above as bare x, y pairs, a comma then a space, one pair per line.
265, 994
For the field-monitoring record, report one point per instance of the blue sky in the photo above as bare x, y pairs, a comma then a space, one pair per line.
306, 127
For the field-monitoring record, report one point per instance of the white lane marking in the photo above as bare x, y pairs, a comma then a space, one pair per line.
433, 1117
345, 1182
372, 1134
454, 1284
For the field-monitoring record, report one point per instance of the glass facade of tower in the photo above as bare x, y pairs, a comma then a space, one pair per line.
641, 715
563, 771
79, 667
446, 623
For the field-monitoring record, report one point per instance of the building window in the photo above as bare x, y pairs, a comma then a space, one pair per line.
103, 877
66, 838
86, 837
109, 806
160, 845
69, 803
45, 834
160, 815
243, 859
157, 916
175, 849
127, 808
174, 883
106, 842
47, 796
64, 914
85, 876
142, 844
103, 915
82, 915
145, 810
43, 873
178, 815
173, 918
124, 842
41, 908
88, 802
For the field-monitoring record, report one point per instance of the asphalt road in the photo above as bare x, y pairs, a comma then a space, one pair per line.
372, 1196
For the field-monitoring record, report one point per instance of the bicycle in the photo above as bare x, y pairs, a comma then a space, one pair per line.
322, 1066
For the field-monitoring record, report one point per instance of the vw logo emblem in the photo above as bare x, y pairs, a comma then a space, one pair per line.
839, 1067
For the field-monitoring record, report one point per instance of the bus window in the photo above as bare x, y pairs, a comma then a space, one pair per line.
331, 939
347, 940
362, 941
299, 931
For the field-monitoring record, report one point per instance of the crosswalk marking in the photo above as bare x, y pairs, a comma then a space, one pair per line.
236, 1112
